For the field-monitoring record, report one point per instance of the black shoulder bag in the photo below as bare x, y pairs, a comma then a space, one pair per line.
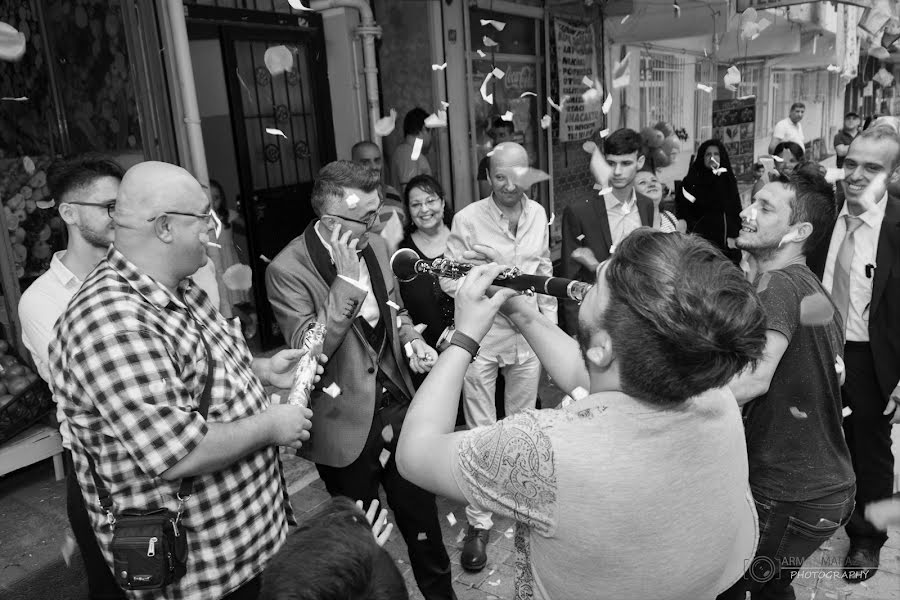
149, 547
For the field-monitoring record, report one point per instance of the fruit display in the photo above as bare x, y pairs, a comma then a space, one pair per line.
24, 397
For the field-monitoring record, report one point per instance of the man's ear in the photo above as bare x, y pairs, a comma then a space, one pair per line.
804, 230
67, 213
894, 177
162, 225
640, 162
600, 354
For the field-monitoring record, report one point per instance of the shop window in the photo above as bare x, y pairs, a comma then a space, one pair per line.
662, 88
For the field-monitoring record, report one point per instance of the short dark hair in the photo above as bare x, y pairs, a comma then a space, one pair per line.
798, 105
812, 202
432, 186
414, 121
68, 174
623, 141
681, 316
222, 211
333, 555
500, 123
882, 131
337, 176
795, 149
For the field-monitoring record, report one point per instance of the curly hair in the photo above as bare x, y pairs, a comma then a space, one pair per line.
682, 318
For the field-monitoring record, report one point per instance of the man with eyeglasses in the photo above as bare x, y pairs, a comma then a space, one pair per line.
133, 354
338, 272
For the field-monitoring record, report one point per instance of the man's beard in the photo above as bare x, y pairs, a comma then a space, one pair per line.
97, 240
759, 253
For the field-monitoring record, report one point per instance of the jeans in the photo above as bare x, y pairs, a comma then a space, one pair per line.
789, 532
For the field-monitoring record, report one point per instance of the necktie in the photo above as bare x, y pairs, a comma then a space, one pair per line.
840, 286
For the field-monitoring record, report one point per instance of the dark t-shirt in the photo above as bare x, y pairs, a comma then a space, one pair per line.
841, 137
792, 457
425, 301
483, 166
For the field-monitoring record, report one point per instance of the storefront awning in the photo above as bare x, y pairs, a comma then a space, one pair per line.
651, 20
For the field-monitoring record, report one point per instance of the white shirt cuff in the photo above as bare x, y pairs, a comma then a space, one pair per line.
354, 282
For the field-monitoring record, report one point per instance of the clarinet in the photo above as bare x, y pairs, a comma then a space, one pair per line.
407, 265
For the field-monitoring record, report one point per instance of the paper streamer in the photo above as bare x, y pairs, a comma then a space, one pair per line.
489, 98
385, 125
274, 131
417, 149
488, 42
440, 67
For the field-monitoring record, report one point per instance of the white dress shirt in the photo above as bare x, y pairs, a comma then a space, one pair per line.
787, 131
623, 216
369, 310
865, 244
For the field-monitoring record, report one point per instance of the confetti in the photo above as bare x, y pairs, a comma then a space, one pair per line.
621, 66
763, 282
491, 572
523, 94
833, 68
297, 5
816, 309
436, 120
554, 104
879, 52
238, 277
718, 171
383, 458
451, 518
460, 536
417, 149
214, 245
545, 121
612, 249
507, 116
580, 237
587, 81
797, 413
28, 164
352, 200
498, 73
392, 304
777, 158
488, 42
498, 25
481, 53
332, 390
12, 43
385, 125
14, 98
68, 549
45, 204
603, 133
589, 147
274, 131
439, 67
387, 434
264, 258
420, 327
846, 412
278, 59
525, 177
732, 78
399, 322
620, 82
838, 365
704, 88
445, 105
422, 536
552, 218
607, 104
489, 98
600, 169
625, 18
579, 393
592, 98
508, 534
494, 583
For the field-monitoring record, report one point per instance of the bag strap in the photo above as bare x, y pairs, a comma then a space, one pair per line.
187, 484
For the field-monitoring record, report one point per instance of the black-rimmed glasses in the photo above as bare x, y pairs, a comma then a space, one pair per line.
368, 223
210, 217
109, 206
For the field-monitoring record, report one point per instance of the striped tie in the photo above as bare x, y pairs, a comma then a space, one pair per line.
840, 286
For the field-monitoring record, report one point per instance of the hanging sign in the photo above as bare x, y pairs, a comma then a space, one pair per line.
575, 57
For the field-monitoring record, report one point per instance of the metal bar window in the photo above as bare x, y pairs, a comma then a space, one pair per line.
661, 88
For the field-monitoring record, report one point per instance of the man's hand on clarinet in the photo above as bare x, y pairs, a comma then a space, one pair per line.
343, 251
481, 255
478, 300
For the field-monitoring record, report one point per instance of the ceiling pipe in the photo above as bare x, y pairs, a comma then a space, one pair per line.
367, 31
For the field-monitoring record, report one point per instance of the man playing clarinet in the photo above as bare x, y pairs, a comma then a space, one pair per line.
516, 231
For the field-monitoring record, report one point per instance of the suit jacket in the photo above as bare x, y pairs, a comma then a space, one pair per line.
298, 285
884, 307
589, 219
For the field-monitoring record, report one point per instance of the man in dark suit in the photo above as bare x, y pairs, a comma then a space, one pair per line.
591, 229
861, 269
337, 268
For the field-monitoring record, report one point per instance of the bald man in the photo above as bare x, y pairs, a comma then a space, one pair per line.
516, 230
157, 388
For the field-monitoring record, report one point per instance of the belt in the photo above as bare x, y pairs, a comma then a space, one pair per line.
856, 345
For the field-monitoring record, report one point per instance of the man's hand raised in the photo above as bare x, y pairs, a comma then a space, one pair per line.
477, 300
343, 251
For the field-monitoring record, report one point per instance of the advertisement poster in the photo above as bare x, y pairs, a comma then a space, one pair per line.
734, 123
575, 58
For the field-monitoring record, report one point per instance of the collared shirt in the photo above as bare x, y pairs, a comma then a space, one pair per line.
865, 244
369, 310
41, 305
842, 138
787, 131
483, 222
623, 216
128, 367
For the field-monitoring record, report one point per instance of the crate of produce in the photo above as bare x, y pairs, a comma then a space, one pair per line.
24, 397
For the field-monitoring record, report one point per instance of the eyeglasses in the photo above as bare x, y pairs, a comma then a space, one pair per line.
368, 223
110, 206
210, 217
431, 202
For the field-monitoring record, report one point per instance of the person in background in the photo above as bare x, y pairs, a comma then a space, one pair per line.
789, 128
427, 236
403, 166
591, 229
800, 470
843, 137
500, 131
514, 228
859, 266
227, 254
787, 156
84, 189
368, 154
647, 184
709, 201
649, 467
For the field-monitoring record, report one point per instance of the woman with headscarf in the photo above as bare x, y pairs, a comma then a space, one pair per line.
708, 200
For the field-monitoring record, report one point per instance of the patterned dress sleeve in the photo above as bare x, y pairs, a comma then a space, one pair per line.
509, 468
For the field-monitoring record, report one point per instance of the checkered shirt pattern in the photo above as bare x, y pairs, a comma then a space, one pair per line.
129, 368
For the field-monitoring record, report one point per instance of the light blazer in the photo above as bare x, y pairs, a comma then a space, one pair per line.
298, 289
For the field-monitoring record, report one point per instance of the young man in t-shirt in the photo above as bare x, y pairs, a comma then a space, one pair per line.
639, 488
800, 470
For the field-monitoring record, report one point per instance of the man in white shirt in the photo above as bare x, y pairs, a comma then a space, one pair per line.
859, 268
789, 129
516, 229
84, 189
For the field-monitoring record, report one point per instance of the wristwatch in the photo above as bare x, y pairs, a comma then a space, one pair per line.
465, 342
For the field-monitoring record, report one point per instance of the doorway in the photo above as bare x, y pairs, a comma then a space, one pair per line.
266, 177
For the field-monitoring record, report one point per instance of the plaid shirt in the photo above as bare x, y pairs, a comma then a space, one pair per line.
129, 367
